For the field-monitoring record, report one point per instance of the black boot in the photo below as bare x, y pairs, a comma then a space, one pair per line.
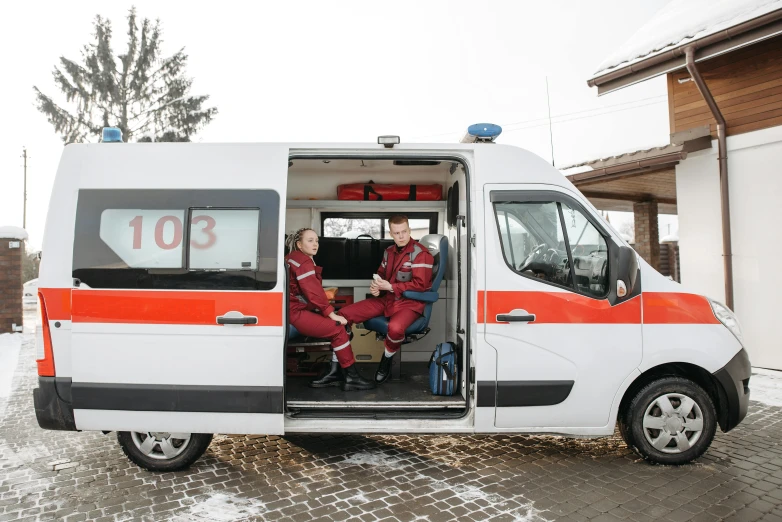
333, 378
384, 369
354, 380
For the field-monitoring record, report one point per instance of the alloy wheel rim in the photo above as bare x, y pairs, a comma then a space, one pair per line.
160, 445
673, 423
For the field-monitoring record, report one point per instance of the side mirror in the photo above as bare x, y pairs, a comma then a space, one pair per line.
627, 271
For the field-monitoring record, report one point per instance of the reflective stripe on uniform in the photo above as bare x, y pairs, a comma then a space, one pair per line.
423, 265
337, 348
294, 263
302, 276
395, 341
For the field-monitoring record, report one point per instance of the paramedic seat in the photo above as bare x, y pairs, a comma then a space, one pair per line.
438, 247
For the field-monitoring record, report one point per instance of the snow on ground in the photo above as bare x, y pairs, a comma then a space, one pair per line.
765, 386
524, 513
8, 232
682, 21
221, 507
9, 354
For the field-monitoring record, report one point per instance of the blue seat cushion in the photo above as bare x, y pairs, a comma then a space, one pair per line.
380, 325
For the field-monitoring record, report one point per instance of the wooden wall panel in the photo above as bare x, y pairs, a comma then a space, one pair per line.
747, 85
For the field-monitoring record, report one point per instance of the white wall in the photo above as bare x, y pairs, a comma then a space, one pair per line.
755, 188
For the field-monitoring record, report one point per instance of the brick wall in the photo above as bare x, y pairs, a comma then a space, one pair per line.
10, 284
647, 237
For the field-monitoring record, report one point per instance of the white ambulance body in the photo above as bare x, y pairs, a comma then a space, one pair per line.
164, 303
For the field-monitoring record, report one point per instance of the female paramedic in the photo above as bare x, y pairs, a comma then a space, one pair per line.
306, 298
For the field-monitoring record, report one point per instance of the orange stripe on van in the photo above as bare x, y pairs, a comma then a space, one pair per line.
58, 303
569, 308
174, 307
677, 308
558, 307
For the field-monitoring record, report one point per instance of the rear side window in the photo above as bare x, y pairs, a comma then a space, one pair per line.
177, 239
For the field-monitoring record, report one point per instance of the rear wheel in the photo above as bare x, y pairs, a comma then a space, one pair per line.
162, 451
671, 421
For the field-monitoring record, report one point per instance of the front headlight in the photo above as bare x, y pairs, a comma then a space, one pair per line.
727, 318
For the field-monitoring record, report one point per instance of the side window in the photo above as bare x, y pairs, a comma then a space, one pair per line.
532, 240
375, 224
177, 239
552, 241
223, 239
589, 251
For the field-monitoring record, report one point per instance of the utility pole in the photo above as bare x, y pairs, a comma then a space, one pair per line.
24, 211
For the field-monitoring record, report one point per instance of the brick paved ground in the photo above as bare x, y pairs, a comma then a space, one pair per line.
403, 478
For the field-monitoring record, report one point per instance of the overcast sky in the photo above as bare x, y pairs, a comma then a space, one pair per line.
350, 71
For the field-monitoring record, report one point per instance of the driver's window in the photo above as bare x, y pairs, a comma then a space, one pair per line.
532, 240
590, 253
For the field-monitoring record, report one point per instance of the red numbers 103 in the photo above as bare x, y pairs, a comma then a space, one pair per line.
208, 230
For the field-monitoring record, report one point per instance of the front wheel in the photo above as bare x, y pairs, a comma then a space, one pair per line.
671, 421
158, 451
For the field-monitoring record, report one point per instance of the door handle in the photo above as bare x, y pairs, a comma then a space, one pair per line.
513, 318
236, 318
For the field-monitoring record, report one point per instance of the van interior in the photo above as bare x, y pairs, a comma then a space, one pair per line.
353, 236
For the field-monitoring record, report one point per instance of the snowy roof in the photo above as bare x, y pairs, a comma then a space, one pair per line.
670, 238
13, 233
627, 157
681, 22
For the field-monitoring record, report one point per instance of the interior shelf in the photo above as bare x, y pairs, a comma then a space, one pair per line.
368, 206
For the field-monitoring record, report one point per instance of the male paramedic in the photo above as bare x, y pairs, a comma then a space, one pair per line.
407, 265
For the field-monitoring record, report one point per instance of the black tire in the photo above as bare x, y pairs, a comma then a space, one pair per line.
195, 447
624, 427
677, 389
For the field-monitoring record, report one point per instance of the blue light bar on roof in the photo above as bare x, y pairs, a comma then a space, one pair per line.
484, 132
111, 135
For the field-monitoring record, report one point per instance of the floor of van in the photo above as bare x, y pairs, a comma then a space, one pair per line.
410, 392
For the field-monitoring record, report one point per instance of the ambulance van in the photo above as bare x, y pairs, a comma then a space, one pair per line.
163, 302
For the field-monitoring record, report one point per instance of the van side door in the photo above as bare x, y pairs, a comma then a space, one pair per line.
179, 310
563, 349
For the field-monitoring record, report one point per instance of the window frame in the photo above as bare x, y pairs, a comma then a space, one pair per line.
431, 216
94, 262
558, 198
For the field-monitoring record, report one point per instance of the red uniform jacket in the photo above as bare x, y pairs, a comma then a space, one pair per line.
410, 269
305, 284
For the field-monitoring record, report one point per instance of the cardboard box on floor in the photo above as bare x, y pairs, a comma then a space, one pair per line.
366, 347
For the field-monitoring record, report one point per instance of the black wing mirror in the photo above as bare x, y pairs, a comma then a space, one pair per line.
627, 264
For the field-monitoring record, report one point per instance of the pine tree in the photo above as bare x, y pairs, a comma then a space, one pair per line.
145, 95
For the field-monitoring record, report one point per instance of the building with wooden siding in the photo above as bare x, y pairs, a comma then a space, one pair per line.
722, 171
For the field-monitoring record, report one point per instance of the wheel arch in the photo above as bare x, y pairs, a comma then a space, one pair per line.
690, 371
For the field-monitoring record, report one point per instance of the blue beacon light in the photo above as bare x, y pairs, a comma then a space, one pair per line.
111, 135
485, 131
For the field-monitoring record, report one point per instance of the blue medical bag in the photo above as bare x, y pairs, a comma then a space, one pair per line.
443, 370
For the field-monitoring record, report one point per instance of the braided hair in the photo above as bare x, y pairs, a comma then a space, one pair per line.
295, 238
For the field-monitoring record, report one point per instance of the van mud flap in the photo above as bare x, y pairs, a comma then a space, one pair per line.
51, 409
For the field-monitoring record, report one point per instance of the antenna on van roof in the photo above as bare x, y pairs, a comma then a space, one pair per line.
482, 133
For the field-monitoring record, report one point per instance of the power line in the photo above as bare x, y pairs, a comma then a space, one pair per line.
545, 120
584, 117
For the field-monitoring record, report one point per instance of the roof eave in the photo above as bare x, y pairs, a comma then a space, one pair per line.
727, 40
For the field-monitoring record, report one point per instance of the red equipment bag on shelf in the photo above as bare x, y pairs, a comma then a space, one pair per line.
376, 192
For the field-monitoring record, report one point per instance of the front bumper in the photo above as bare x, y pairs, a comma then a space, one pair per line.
53, 406
734, 379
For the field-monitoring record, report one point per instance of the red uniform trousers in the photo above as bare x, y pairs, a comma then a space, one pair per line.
398, 321
313, 324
